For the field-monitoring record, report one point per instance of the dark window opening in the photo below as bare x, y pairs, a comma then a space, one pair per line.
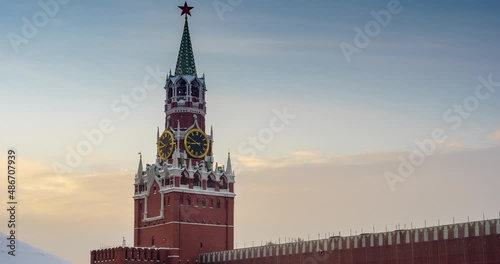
197, 181
210, 182
170, 92
184, 180
181, 88
195, 89
223, 183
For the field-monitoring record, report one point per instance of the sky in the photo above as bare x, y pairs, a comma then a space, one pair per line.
355, 94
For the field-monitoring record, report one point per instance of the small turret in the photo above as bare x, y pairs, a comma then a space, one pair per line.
157, 145
229, 169
212, 133
190, 166
140, 168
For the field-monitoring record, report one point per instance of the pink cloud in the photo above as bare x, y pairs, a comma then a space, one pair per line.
496, 136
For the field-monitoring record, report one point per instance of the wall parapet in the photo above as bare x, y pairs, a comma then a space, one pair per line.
139, 255
323, 247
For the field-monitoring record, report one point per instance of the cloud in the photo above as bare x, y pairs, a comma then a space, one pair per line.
258, 46
83, 209
301, 158
79, 196
455, 145
292, 159
496, 136
365, 158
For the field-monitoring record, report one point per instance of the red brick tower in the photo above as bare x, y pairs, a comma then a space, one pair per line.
183, 201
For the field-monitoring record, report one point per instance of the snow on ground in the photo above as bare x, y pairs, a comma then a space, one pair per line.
26, 254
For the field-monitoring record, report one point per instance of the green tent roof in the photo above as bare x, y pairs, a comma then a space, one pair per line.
185, 61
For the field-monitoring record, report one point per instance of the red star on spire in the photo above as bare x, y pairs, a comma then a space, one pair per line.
186, 9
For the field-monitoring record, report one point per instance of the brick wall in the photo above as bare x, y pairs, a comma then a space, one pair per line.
476, 242
127, 255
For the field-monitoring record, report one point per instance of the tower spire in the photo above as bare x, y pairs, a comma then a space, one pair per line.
139, 169
185, 60
157, 141
229, 170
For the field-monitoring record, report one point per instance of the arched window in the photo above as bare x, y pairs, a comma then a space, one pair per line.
203, 203
181, 88
170, 91
223, 182
218, 203
188, 201
212, 203
153, 241
184, 179
210, 182
197, 181
195, 89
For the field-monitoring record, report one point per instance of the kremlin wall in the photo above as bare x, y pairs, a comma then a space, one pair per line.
475, 242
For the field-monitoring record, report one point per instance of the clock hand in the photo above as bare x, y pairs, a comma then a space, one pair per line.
194, 143
192, 139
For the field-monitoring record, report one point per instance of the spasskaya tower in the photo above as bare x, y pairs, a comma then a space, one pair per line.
183, 201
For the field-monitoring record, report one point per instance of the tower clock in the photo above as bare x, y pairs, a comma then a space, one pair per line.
196, 143
166, 145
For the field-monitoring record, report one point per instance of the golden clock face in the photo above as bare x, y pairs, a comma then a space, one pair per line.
166, 145
196, 143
